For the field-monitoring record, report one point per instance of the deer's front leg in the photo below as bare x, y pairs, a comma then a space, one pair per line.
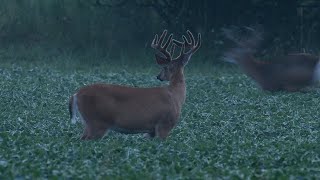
163, 129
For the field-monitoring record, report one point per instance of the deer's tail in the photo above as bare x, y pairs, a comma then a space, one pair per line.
73, 107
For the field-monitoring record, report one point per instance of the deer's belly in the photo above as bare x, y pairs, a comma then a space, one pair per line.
130, 130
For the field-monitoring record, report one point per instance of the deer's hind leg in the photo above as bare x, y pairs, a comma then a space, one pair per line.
96, 123
85, 134
95, 126
95, 130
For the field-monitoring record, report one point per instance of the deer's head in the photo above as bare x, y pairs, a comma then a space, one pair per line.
164, 58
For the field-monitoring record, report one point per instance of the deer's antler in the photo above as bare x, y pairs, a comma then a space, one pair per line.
157, 45
193, 46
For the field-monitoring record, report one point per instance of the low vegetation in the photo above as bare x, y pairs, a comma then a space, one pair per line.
228, 128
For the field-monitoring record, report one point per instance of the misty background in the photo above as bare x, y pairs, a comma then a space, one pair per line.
117, 27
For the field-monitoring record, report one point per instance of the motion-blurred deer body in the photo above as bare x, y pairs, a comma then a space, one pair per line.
154, 111
291, 72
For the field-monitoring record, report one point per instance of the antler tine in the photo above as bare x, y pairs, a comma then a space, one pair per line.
182, 49
157, 44
185, 39
172, 48
177, 43
154, 41
197, 45
163, 35
193, 45
168, 42
191, 37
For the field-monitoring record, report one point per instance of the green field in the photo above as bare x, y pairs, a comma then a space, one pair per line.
229, 128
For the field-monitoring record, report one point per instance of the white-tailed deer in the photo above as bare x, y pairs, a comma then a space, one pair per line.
154, 110
291, 72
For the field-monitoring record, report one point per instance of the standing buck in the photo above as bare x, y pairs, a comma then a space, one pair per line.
291, 72
154, 110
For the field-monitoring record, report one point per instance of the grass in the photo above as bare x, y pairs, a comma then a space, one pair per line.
228, 127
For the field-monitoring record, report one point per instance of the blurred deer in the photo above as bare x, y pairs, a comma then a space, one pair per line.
291, 72
154, 111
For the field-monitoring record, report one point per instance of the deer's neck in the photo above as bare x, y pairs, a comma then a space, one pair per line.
178, 87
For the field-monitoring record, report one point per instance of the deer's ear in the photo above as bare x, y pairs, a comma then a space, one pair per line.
161, 60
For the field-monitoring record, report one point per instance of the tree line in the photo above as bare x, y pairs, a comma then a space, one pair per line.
124, 24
